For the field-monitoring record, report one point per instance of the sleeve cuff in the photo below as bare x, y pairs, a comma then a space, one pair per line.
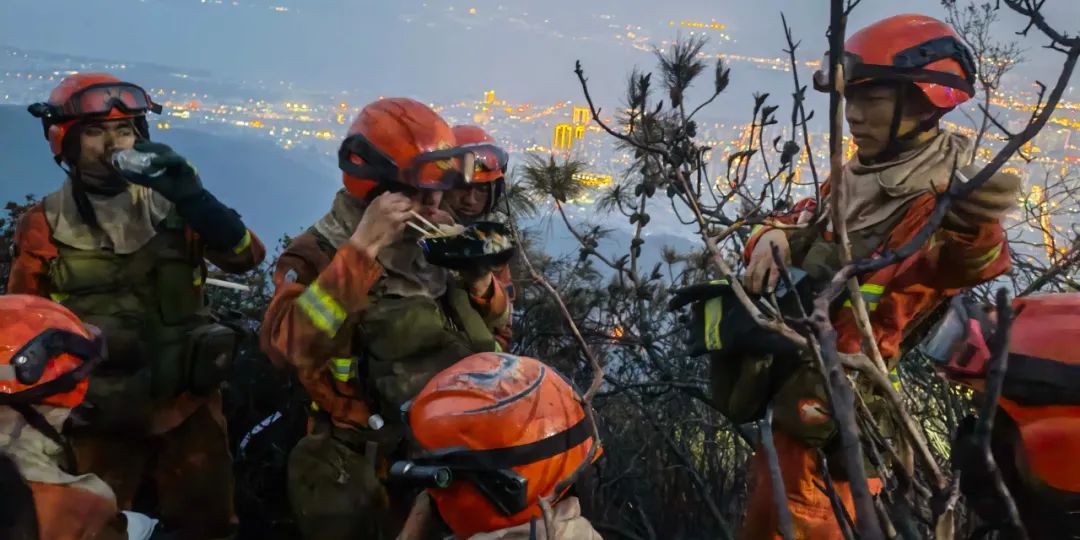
340, 290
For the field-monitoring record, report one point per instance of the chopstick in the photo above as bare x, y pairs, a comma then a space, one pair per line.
422, 230
434, 228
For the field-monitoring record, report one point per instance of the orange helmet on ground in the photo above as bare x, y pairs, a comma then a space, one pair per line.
490, 161
1036, 435
399, 144
45, 353
91, 96
909, 48
495, 433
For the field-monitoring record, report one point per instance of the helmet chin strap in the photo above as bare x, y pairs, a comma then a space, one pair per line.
81, 186
900, 143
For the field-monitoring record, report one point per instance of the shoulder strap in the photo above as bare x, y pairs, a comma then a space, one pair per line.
38, 422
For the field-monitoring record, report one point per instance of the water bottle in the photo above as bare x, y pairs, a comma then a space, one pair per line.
136, 162
375, 422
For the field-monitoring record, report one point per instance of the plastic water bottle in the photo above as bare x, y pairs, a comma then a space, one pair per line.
375, 422
135, 162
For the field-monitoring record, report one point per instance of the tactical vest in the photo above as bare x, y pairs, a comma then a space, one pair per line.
401, 342
147, 305
820, 257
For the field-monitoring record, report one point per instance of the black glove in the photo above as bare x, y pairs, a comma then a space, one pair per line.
179, 181
719, 322
218, 225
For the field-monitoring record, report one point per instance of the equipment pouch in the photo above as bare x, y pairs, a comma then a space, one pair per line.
211, 350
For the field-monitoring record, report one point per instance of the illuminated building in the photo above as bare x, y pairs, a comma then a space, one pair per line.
593, 179
582, 115
489, 97
1038, 198
579, 132
696, 24
564, 137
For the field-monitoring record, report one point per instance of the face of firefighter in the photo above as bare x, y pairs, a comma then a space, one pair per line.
97, 143
869, 110
468, 201
426, 203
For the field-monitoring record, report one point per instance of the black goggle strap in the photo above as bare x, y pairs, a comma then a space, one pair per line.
496, 190
908, 66
909, 74
376, 164
464, 168
936, 49
491, 471
29, 362
513, 456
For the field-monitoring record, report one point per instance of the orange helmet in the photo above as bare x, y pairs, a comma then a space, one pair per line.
399, 144
45, 353
490, 161
91, 96
909, 48
495, 433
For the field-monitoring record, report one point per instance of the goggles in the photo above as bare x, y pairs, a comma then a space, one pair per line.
438, 170
490, 471
98, 100
490, 163
28, 364
907, 65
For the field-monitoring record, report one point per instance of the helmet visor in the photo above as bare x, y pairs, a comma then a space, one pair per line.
100, 99
848, 62
440, 170
489, 162
909, 65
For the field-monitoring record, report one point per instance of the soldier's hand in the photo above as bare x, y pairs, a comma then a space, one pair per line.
180, 179
382, 224
986, 204
762, 271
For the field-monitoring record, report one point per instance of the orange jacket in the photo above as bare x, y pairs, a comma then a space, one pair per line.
904, 292
290, 336
35, 248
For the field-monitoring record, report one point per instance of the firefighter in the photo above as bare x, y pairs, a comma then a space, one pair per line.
480, 197
492, 435
365, 320
1036, 431
46, 355
903, 74
478, 200
127, 253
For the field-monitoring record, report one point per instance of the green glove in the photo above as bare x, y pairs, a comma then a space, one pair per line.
180, 180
